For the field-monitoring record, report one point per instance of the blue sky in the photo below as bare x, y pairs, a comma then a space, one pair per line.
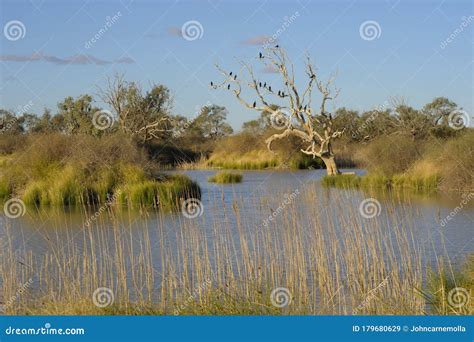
407, 58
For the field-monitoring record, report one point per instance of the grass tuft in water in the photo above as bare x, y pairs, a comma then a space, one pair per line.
422, 184
128, 184
226, 178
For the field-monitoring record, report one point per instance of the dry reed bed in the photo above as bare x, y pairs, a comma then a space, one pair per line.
330, 258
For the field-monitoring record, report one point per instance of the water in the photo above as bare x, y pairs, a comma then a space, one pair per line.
263, 199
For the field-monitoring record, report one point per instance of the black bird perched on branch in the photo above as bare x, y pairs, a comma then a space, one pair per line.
305, 107
212, 84
279, 93
260, 84
260, 55
254, 104
265, 85
228, 86
235, 77
277, 46
270, 88
230, 73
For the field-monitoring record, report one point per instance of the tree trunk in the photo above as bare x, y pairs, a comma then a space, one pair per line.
331, 166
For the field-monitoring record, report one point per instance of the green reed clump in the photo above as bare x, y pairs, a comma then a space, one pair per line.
5, 189
165, 193
341, 181
129, 184
449, 291
424, 184
226, 178
243, 165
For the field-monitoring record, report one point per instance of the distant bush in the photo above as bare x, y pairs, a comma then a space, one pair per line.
9, 143
452, 161
390, 155
226, 178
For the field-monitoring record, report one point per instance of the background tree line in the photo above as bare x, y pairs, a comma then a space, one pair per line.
146, 118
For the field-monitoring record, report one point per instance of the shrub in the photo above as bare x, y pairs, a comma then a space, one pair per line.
456, 163
390, 155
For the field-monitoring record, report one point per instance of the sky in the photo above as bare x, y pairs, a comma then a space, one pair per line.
417, 50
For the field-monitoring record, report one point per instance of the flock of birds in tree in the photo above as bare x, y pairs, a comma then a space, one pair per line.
280, 93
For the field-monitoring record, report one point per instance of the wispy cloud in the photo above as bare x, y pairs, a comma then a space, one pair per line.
175, 32
79, 59
124, 60
257, 40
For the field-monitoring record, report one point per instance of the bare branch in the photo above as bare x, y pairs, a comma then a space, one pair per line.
304, 122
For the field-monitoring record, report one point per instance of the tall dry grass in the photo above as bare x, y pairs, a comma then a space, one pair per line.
331, 264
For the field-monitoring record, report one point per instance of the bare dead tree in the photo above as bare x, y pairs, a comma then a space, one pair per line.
294, 115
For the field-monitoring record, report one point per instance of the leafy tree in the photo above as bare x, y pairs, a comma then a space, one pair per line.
412, 122
78, 115
141, 115
439, 110
10, 123
348, 119
211, 123
254, 127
